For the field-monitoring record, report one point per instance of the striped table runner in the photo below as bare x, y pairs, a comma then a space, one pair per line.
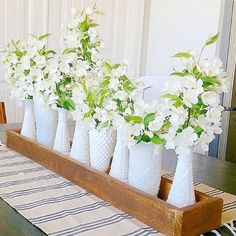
60, 208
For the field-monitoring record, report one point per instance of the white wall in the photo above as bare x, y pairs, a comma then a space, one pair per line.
121, 29
176, 26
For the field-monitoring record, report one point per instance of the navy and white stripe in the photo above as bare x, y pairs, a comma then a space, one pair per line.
19, 163
92, 225
26, 192
68, 212
28, 180
53, 200
24, 171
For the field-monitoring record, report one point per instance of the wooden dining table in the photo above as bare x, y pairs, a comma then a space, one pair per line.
208, 170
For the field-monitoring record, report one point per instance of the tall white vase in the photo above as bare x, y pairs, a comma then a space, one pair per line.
46, 123
102, 145
80, 146
182, 190
120, 161
145, 167
28, 127
62, 141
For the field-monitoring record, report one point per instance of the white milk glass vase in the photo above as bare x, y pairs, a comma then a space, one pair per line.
62, 141
28, 128
80, 146
145, 167
102, 145
46, 123
182, 190
120, 160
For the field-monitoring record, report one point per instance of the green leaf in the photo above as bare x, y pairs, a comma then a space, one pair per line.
69, 104
212, 40
177, 73
146, 138
213, 80
116, 66
44, 36
178, 103
138, 138
18, 53
198, 129
50, 52
157, 140
34, 36
134, 119
93, 25
170, 96
68, 50
183, 55
105, 82
149, 118
107, 66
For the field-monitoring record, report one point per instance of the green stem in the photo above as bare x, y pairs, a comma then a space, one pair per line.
189, 116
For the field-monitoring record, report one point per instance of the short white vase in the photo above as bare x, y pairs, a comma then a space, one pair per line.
145, 167
80, 146
28, 128
62, 141
182, 190
46, 123
102, 145
120, 160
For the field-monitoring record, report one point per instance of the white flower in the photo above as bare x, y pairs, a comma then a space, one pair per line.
186, 138
178, 116
120, 95
64, 67
190, 97
81, 68
173, 86
25, 62
40, 60
13, 59
214, 114
136, 129
118, 72
191, 83
156, 124
210, 98
92, 34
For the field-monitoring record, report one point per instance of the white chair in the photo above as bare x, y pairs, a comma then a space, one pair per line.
153, 87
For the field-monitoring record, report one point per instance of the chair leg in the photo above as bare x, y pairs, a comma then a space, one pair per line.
3, 118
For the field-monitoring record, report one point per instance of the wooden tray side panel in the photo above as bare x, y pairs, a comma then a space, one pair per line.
151, 211
209, 220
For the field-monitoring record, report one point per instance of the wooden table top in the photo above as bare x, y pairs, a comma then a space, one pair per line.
208, 170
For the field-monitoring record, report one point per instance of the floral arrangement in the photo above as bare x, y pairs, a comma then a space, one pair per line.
78, 60
25, 64
193, 100
101, 102
146, 123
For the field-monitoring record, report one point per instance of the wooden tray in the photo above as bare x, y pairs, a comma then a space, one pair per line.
203, 216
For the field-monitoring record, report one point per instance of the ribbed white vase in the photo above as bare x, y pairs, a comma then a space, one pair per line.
62, 141
182, 190
46, 123
80, 146
120, 160
28, 127
145, 167
102, 145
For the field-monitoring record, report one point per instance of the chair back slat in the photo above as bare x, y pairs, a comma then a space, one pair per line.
3, 118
